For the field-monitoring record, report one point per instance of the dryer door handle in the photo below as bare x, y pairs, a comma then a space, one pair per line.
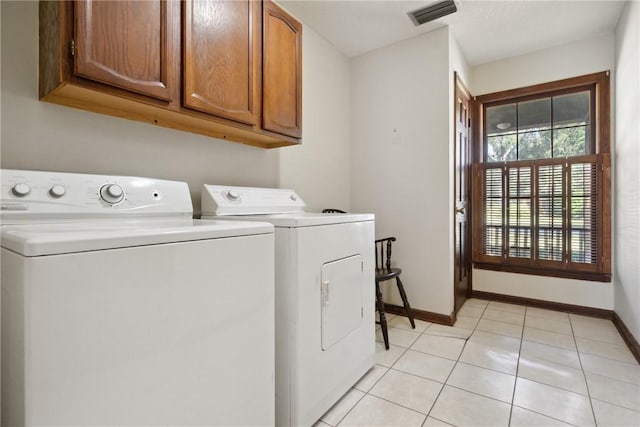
324, 292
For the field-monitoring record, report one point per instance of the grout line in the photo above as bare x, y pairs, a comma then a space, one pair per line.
542, 315
559, 387
350, 409
366, 392
515, 383
552, 332
544, 415
488, 369
599, 374
437, 355
608, 358
406, 349
456, 362
552, 346
584, 375
553, 386
623, 345
506, 311
374, 384
397, 404
555, 346
500, 333
549, 359
616, 405
420, 376
479, 394
444, 422
612, 403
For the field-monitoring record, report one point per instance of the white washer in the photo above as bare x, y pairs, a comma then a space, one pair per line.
325, 330
119, 309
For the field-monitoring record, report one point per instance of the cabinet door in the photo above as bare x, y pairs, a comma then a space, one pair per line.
126, 44
282, 72
221, 58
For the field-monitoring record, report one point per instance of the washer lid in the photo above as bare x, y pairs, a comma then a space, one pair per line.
298, 219
53, 239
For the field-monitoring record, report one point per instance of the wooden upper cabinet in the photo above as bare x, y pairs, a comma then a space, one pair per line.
221, 58
229, 69
282, 72
126, 44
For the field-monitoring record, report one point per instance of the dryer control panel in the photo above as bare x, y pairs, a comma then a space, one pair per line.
37, 195
232, 200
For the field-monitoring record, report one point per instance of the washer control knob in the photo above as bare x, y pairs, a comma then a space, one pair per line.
21, 189
112, 193
293, 197
57, 191
233, 195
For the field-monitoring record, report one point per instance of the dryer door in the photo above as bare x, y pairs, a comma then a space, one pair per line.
341, 299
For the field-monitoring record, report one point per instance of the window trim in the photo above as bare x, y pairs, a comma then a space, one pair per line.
600, 84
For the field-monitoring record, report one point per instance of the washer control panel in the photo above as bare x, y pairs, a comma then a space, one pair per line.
28, 195
231, 200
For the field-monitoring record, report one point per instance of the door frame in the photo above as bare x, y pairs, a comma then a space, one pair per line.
458, 84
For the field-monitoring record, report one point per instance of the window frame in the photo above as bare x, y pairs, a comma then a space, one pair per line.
591, 88
599, 85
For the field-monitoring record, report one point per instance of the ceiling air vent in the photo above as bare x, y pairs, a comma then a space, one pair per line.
432, 12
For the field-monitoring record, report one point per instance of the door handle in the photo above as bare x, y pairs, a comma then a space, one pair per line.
324, 291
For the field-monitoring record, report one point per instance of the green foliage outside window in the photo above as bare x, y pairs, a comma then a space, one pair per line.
540, 129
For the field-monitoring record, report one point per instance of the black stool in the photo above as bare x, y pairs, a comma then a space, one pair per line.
384, 272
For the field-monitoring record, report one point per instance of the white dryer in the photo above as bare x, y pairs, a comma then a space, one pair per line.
119, 309
325, 330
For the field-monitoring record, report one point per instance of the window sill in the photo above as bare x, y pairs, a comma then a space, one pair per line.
565, 274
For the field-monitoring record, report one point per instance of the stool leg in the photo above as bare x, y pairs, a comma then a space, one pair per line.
383, 318
407, 307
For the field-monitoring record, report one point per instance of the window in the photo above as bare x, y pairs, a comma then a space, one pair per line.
542, 180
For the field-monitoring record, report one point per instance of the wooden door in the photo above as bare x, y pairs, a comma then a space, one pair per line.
282, 72
462, 208
221, 58
126, 44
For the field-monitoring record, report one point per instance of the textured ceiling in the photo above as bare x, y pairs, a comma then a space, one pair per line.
485, 30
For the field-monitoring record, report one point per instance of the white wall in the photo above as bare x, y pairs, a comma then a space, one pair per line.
401, 156
320, 168
42, 136
627, 162
457, 62
570, 60
567, 291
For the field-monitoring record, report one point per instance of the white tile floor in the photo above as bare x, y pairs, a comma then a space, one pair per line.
500, 365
